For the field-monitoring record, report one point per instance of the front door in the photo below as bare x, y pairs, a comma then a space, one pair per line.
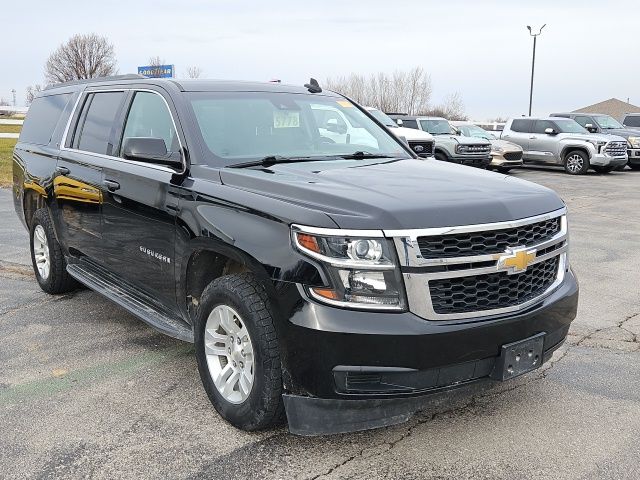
139, 209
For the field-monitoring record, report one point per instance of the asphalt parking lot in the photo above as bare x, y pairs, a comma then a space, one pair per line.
87, 390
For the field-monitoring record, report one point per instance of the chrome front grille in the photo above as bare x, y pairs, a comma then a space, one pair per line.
492, 241
474, 149
616, 149
474, 271
476, 293
424, 148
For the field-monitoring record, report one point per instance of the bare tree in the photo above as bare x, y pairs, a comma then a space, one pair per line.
194, 72
400, 91
82, 56
498, 120
3, 102
32, 91
452, 108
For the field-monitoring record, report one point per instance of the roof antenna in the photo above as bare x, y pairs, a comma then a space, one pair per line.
313, 86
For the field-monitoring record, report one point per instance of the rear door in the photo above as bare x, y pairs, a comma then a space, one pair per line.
140, 203
78, 180
519, 133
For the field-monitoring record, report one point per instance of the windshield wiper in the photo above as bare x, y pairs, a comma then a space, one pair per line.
360, 154
269, 160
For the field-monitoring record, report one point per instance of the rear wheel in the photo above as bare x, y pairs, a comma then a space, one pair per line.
607, 169
576, 162
237, 352
49, 263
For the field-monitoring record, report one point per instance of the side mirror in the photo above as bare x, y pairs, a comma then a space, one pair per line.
591, 128
399, 122
550, 131
151, 150
457, 131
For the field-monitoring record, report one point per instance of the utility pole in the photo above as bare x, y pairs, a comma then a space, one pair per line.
533, 62
14, 96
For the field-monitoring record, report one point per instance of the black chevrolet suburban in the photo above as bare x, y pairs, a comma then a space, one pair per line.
334, 279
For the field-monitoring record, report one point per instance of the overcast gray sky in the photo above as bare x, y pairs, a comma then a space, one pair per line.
588, 52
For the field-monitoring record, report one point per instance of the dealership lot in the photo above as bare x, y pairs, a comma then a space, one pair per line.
88, 390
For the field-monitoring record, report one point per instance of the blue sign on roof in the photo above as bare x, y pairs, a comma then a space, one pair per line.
158, 71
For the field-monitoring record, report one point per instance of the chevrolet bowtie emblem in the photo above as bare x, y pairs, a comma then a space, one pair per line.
516, 260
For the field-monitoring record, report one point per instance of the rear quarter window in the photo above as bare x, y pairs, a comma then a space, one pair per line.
632, 121
43, 117
522, 125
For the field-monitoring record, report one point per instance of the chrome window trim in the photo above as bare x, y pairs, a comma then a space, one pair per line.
338, 232
85, 93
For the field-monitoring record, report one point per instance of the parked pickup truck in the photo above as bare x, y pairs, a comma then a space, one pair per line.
562, 141
335, 282
422, 143
597, 123
450, 147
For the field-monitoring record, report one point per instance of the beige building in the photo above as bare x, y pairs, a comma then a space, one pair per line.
614, 107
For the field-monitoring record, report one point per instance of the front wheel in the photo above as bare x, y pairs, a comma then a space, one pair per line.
237, 352
634, 166
576, 162
440, 156
503, 169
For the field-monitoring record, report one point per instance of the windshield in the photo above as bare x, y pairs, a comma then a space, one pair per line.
569, 126
474, 131
605, 121
383, 118
247, 126
436, 127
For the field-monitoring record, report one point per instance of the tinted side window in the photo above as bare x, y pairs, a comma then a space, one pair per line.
630, 121
542, 125
410, 124
42, 118
97, 121
149, 117
522, 125
582, 120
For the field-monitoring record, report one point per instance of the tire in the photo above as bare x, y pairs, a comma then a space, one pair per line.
603, 169
235, 338
576, 162
634, 166
503, 169
441, 156
49, 263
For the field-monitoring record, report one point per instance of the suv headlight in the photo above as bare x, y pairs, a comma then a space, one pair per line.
496, 149
598, 144
361, 267
634, 142
462, 148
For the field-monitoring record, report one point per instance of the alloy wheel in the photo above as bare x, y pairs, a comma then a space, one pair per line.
575, 163
41, 252
229, 353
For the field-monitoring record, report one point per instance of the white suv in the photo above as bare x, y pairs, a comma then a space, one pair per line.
562, 141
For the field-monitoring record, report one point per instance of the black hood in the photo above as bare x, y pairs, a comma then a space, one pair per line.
622, 132
396, 194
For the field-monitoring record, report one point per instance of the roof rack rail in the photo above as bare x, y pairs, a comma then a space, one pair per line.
129, 76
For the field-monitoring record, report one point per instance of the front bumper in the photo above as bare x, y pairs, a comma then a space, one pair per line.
350, 370
634, 156
601, 160
472, 161
498, 160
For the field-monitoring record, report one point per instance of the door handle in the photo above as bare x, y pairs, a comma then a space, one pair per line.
111, 185
63, 170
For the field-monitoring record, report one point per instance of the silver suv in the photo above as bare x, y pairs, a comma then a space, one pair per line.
449, 146
562, 141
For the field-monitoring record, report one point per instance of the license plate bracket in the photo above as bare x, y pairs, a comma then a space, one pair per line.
519, 357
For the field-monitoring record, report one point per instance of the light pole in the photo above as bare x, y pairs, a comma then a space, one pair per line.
533, 62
